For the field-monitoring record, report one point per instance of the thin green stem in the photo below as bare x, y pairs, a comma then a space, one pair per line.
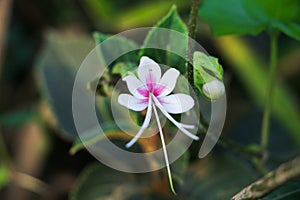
269, 94
192, 26
164, 150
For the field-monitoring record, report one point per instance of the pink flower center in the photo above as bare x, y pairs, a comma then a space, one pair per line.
151, 87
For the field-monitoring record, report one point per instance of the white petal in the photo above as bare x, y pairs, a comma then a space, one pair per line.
144, 126
177, 103
169, 80
148, 66
133, 84
132, 103
179, 125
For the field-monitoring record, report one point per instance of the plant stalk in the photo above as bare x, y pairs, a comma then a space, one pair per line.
192, 26
270, 88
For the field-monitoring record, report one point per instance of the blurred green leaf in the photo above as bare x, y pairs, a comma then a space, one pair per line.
57, 65
217, 177
289, 191
110, 130
18, 117
114, 47
171, 21
251, 16
121, 15
254, 76
100, 182
124, 69
4, 175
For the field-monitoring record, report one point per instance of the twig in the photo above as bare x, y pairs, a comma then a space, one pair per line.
284, 173
192, 33
5, 8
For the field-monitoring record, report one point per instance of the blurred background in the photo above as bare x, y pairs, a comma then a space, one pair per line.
35, 158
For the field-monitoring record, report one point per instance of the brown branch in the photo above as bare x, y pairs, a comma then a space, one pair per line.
284, 173
5, 9
192, 34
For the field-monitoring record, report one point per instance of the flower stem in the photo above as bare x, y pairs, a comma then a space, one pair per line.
270, 88
164, 149
192, 25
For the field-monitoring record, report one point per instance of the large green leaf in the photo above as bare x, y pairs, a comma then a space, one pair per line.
171, 21
216, 177
251, 16
289, 191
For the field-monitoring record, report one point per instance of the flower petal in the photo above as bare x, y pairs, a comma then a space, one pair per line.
144, 126
177, 103
149, 70
133, 84
168, 82
132, 103
179, 125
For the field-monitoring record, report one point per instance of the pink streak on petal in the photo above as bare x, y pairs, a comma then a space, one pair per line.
158, 90
144, 101
150, 81
143, 92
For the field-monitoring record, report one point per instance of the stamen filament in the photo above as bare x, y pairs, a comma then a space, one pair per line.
144, 126
179, 125
164, 150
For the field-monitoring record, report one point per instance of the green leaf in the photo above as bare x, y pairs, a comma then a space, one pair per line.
124, 69
171, 21
115, 47
206, 72
100, 182
115, 17
57, 66
229, 17
291, 29
289, 191
94, 136
216, 177
206, 68
251, 16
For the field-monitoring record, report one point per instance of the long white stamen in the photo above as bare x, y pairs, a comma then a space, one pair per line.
179, 125
164, 150
144, 126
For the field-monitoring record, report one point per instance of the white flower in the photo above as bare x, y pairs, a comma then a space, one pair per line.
151, 91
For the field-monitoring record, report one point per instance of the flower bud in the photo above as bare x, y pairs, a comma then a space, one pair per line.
213, 89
